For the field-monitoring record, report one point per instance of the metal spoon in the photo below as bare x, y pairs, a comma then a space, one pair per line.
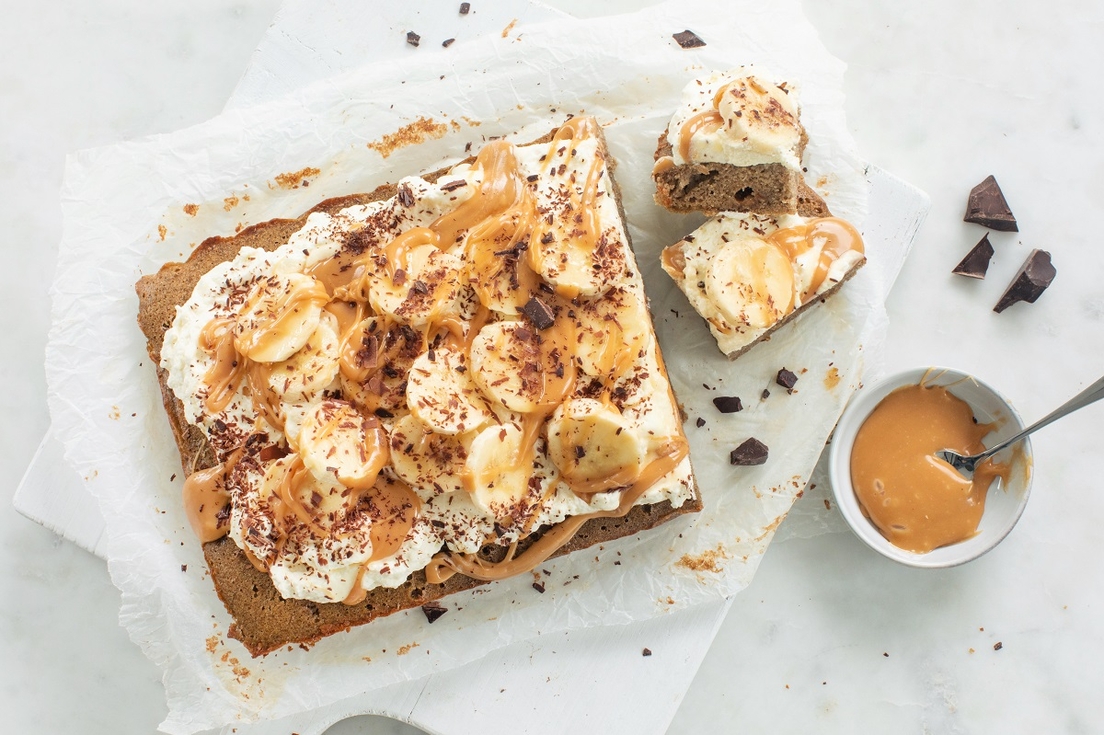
966, 465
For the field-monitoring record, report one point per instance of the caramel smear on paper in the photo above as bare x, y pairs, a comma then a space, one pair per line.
414, 133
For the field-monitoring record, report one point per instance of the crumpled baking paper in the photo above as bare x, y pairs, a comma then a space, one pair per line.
130, 208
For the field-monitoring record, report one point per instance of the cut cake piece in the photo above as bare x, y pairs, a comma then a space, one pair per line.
734, 144
747, 274
408, 393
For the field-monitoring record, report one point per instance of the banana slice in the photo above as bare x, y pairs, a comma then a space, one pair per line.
304, 375
594, 447
423, 285
375, 361
432, 464
442, 395
577, 259
611, 332
522, 369
339, 443
760, 113
751, 281
279, 316
500, 463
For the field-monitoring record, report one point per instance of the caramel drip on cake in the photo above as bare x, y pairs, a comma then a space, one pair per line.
506, 237
207, 501
444, 565
832, 235
708, 121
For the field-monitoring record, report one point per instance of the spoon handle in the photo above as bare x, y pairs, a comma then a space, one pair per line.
1092, 394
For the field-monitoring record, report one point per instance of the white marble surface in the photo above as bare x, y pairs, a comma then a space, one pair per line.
829, 637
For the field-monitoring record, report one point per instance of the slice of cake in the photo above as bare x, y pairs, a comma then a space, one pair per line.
734, 144
412, 392
749, 274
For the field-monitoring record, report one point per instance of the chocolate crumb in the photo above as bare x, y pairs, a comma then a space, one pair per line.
988, 207
459, 182
764, 395
420, 287
728, 404
464, 8
976, 262
646, 652
413, 38
447, 42
405, 195
183, 567
539, 313
538, 587
1034, 276
700, 422
688, 39
580, 452
752, 452
998, 646
433, 611
172, 478
786, 379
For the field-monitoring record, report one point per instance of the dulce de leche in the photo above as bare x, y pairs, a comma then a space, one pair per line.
916, 500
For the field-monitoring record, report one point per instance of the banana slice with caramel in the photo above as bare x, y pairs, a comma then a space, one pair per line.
442, 395
338, 443
594, 447
751, 281
303, 376
280, 315
760, 113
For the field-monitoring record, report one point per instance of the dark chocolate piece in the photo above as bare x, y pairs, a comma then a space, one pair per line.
539, 313
646, 652
750, 453
1035, 275
413, 38
538, 587
728, 404
987, 207
433, 611
448, 42
786, 379
464, 8
976, 262
700, 422
688, 39
449, 186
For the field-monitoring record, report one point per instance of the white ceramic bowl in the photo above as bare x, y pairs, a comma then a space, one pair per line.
1003, 506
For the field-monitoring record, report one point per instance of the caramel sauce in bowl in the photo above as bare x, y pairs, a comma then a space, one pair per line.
898, 498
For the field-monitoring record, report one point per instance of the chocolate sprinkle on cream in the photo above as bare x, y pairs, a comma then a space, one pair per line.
988, 207
728, 404
688, 39
976, 262
750, 453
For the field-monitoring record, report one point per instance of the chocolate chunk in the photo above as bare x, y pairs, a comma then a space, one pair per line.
700, 422
688, 39
539, 313
538, 587
976, 262
405, 195
433, 611
987, 207
413, 38
750, 453
464, 8
786, 379
1035, 275
448, 42
646, 652
728, 404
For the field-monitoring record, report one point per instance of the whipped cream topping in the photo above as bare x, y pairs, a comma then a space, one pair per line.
414, 413
740, 117
744, 272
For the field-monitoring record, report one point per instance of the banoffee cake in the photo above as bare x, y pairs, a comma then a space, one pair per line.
734, 144
408, 393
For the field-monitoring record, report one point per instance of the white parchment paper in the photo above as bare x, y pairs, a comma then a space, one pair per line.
130, 208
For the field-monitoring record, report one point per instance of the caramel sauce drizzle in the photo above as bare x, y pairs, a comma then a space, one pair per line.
445, 565
206, 499
502, 234
707, 121
834, 236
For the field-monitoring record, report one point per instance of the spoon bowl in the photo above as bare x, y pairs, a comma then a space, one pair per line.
1004, 504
